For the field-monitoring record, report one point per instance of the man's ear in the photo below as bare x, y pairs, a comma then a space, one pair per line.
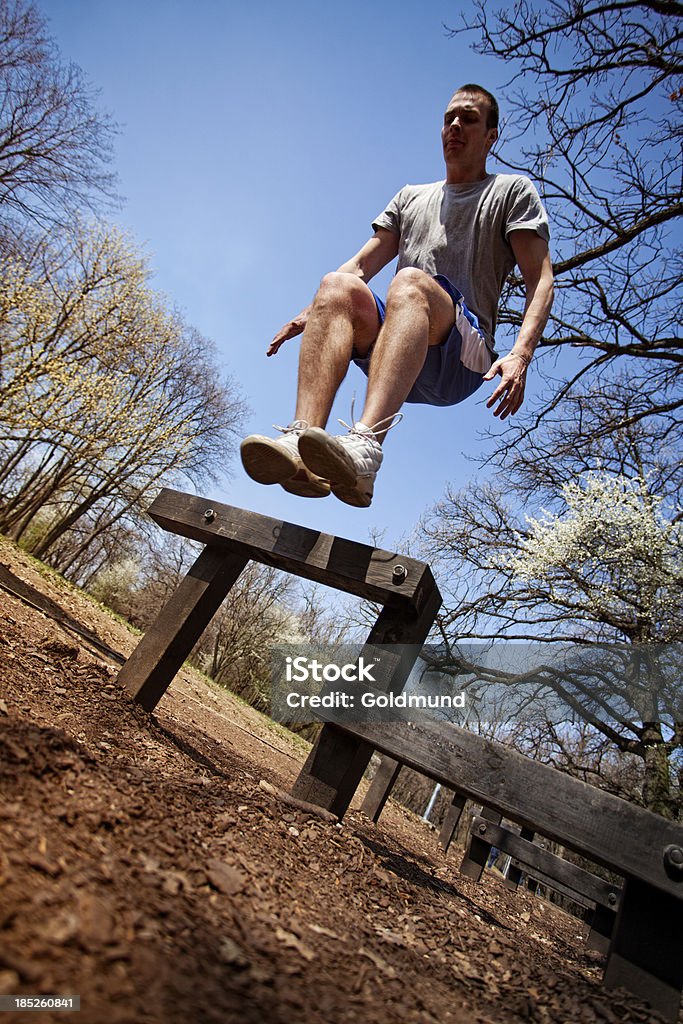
493, 137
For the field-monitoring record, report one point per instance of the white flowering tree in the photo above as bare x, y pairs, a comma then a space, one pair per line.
609, 566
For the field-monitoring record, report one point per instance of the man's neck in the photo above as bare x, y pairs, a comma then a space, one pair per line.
465, 175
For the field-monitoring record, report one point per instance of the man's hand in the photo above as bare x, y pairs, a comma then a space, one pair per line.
533, 259
290, 330
512, 369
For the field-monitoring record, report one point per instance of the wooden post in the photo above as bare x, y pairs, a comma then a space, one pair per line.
451, 820
602, 924
336, 764
645, 953
380, 788
514, 875
167, 643
478, 850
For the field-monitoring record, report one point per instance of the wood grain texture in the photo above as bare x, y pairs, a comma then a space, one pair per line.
600, 826
574, 880
344, 564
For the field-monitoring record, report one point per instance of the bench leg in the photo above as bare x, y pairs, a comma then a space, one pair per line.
515, 874
646, 953
451, 821
474, 861
336, 764
167, 643
602, 927
380, 787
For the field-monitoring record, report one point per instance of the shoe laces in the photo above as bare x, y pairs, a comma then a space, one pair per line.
296, 427
385, 424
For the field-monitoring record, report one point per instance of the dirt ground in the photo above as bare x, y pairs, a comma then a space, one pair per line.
143, 867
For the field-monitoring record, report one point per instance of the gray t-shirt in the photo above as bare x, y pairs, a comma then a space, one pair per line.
461, 231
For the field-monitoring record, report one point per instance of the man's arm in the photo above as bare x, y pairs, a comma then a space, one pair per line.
533, 260
368, 261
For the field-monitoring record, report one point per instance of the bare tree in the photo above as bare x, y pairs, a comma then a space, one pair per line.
595, 116
593, 103
55, 144
615, 424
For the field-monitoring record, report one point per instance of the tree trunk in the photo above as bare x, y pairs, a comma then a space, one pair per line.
657, 785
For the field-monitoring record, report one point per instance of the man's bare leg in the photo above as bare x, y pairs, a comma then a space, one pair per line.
419, 314
343, 315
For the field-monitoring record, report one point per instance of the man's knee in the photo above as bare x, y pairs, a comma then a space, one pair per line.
336, 287
413, 291
340, 292
410, 285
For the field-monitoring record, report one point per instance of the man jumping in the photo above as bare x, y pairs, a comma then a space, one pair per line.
432, 342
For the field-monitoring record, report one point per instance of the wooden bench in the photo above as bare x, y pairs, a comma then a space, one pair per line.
234, 537
595, 895
646, 949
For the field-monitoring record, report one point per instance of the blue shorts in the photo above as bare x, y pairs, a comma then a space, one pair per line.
454, 369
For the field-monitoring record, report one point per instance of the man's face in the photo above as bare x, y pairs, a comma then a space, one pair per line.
465, 137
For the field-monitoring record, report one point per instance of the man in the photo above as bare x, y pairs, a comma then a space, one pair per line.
456, 240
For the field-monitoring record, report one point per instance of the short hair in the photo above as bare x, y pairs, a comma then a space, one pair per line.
494, 113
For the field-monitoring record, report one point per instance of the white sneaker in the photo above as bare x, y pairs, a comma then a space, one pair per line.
350, 461
276, 460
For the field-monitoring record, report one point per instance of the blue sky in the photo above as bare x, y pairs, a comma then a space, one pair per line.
257, 143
